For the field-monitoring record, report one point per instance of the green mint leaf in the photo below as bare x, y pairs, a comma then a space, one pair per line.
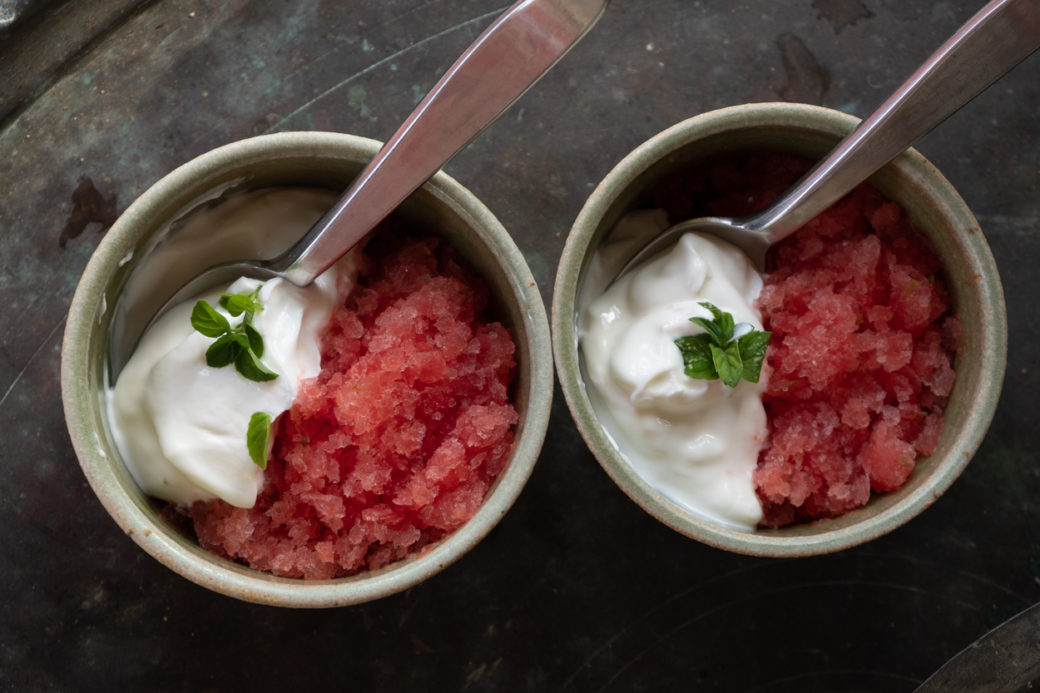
236, 304
258, 438
696, 355
256, 342
720, 327
720, 353
249, 366
242, 344
753, 352
206, 319
711, 329
727, 363
224, 351
723, 320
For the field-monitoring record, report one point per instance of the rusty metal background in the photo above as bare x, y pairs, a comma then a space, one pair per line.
577, 589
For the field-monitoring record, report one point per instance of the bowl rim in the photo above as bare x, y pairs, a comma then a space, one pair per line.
767, 543
221, 575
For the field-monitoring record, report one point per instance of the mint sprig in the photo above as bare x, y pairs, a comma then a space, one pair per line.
258, 438
725, 350
240, 344
237, 304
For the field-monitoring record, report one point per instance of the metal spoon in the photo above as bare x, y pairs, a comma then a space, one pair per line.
495, 71
1000, 36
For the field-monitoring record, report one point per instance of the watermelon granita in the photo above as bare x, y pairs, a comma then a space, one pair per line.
863, 340
397, 441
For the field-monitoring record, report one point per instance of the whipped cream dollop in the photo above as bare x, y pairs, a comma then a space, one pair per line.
181, 425
695, 441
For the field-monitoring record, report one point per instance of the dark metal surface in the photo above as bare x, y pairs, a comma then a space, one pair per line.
577, 589
1005, 660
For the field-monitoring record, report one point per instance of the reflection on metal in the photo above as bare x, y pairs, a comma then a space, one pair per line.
1005, 660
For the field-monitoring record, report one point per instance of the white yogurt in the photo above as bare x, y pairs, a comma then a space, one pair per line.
695, 441
181, 425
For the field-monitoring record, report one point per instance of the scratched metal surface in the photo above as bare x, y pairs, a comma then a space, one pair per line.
577, 589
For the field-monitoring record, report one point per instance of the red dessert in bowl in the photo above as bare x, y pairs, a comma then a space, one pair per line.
444, 330
396, 443
881, 381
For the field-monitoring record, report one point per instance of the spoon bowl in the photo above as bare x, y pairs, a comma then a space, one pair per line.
755, 244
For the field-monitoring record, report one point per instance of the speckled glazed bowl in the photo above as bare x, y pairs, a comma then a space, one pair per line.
327, 160
929, 200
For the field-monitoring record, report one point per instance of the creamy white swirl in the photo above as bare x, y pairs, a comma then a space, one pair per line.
696, 441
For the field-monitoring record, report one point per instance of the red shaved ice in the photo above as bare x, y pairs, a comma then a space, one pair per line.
861, 359
397, 441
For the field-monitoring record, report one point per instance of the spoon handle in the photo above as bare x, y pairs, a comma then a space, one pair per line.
1000, 36
510, 56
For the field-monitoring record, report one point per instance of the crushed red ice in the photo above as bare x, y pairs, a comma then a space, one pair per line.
399, 438
861, 359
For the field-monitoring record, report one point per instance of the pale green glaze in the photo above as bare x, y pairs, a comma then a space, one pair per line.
294, 159
926, 196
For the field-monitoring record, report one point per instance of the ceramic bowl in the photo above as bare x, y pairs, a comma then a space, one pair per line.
128, 256
928, 199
